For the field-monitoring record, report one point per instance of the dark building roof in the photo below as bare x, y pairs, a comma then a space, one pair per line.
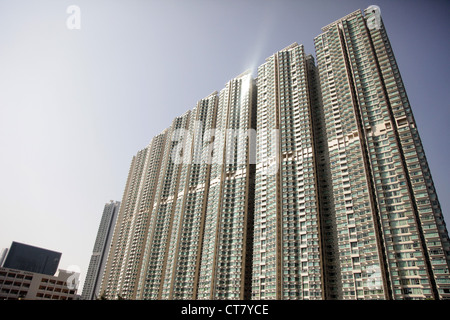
33, 259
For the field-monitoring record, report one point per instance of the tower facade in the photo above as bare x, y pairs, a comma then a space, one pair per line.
387, 238
308, 182
287, 255
125, 259
225, 264
186, 222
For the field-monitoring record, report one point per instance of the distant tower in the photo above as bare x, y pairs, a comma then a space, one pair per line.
100, 252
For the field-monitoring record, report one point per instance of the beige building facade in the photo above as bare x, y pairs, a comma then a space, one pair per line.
24, 285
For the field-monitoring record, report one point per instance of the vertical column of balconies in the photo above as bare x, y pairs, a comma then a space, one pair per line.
132, 262
184, 279
115, 274
231, 255
145, 210
396, 218
353, 210
208, 260
176, 241
327, 229
164, 205
287, 254
300, 228
416, 237
265, 237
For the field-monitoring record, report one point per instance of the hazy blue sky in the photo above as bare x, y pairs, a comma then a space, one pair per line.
76, 105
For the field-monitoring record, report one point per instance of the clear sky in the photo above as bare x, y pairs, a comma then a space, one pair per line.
76, 105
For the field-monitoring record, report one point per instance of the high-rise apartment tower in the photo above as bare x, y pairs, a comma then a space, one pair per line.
384, 229
308, 182
100, 252
287, 255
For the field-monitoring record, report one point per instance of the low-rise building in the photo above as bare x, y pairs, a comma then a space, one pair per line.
25, 285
